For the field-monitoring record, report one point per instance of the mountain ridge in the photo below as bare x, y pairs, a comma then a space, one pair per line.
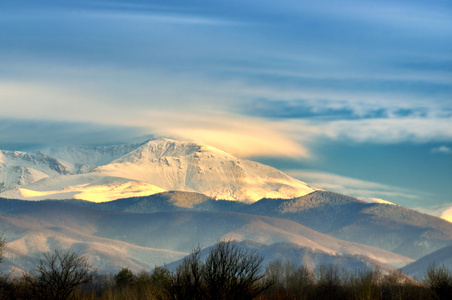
390, 227
38, 226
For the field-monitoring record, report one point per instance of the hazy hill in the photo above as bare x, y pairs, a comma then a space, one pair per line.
441, 257
301, 256
34, 228
135, 239
390, 227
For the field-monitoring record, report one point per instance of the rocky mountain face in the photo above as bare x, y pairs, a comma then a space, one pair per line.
20, 168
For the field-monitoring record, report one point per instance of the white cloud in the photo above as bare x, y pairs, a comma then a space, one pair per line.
242, 136
365, 190
389, 130
239, 135
441, 211
442, 149
447, 214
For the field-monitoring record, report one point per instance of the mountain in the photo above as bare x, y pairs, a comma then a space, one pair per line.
300, 256
391, 227
20, 168
168, 201
83, 159
106, 173
386, 226
31, 228
90, 187
173, 165
114, 239
439, 258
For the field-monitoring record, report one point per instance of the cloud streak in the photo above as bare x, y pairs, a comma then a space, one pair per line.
441, 211
375, 131
242, 136
442, 150
361, 189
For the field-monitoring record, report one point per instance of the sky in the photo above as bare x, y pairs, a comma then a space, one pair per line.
349, 96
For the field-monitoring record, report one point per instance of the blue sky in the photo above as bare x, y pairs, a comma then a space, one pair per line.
353, 96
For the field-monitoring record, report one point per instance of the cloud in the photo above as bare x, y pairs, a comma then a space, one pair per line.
21, 134
326, 110
365, 190
388, 130
442, 150
284, 109
447, 214
242, 136
442, 211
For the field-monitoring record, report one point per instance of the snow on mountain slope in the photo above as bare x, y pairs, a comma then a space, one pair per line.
13, 176
138, 170
20, 168
174, 165
84, 187
37, 161
82, 159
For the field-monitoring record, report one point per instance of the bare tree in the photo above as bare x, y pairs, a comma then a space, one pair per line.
228, 272
289, 281
2, 247
439, 280
186, 282
3, 278
231, 272
58, 274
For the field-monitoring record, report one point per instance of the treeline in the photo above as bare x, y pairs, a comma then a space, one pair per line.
227, 272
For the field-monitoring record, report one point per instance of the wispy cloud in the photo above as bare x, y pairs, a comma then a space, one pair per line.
21, 134
442, 150
242, 136
327, 110
366, 190
447, 214
389, 130
442, 211
188, 118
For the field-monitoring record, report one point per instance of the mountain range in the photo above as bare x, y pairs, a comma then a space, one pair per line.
147, 204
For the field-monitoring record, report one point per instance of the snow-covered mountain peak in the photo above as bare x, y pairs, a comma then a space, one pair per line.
168, 148
160, 164
83, 159
20, 168
164, 148
187, 166
38, 161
